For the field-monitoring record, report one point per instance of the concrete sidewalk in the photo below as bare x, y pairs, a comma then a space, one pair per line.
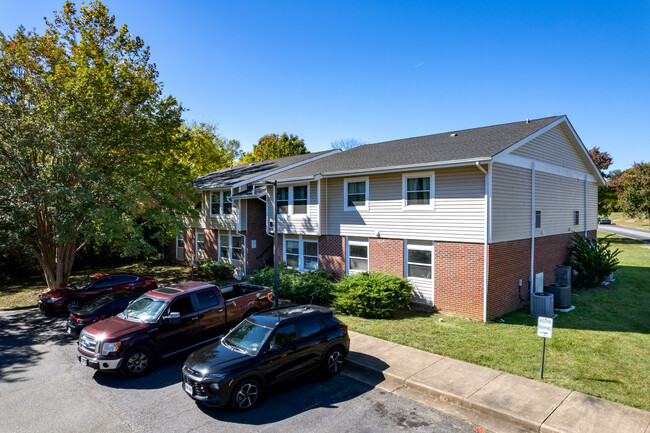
499, 401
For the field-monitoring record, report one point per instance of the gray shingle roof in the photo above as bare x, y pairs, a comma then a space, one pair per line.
468, 144
238, 173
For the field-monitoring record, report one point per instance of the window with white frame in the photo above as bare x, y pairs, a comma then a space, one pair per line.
200, 244
576, 217
293, 200
301, 254
418, 190
180, 247
538, 219
419, 259
357, 255
220, 203
230, 248
356, 193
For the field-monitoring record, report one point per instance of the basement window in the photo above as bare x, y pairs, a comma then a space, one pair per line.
576, 217
538, 219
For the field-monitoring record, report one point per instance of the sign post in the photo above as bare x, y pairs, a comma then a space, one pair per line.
544, 330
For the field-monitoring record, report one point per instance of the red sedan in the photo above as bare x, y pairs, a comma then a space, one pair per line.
65, 299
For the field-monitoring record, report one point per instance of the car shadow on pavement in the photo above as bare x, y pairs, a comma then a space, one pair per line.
294, 397
165, 373
20, 332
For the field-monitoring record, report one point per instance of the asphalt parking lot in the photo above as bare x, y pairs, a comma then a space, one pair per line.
44, 389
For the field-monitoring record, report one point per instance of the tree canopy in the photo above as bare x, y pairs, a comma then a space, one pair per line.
346, 143
635, 191
204, 150
273, 146
90, 147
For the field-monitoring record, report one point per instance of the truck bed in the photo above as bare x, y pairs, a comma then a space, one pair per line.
241, 289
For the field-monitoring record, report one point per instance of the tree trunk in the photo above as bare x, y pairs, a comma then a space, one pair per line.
56, 259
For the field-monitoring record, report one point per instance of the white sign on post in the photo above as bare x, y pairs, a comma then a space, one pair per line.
544, 327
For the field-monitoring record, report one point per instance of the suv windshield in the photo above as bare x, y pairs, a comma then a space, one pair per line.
145, 309
80, 284
247, 337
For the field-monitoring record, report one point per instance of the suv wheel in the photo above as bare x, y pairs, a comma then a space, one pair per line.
72, 304
333, 361
246, 394
137, 362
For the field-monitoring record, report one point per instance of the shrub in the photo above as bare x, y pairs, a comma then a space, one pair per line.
314, 287
372, 294
217, 270
592, 260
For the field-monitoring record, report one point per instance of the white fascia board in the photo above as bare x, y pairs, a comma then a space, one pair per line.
520, 161
517, 145
288, 167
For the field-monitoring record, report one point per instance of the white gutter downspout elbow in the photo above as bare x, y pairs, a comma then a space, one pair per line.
488, 189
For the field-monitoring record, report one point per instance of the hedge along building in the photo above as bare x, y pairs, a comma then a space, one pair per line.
464, 215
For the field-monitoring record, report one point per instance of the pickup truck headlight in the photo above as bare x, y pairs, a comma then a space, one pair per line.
110, 347
52, 299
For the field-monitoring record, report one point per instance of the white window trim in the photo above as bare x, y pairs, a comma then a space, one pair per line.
349, 242
301, 251
180, 238
432, 190
574, 217
540, 219
231, 235
347, 180
221, 214
196, 244
291, 213
433, 264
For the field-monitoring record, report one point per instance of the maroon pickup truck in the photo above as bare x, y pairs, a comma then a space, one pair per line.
166, 321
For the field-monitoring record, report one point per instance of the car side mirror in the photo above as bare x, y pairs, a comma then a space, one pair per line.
172, 319
274, 348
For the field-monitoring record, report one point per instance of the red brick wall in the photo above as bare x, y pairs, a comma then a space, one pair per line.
458, 279
211, 244
256, 231
331, 255
386, 255
188, 242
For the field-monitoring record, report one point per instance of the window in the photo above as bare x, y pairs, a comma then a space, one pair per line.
357, 255
419, 259
183, 306
285, 335
309, 327
576, 217
417, 190
300, 199
220, 203
207, 299
283, 201
180, 248
356, 193
300, 254
293, 200
200, 244
230, 248
538, 219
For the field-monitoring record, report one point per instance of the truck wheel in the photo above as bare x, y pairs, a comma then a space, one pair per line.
137, 361
246, 394
72, 304
333, 362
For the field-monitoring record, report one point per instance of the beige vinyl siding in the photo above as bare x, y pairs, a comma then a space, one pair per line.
554, 147
206, 221
511, 202
592, 207
558, 197
459, 213
304, 224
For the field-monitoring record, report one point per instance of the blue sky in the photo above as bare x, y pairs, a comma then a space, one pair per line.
382, 70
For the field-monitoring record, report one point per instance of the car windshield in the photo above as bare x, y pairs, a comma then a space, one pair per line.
80, 284
247, 337
145, 309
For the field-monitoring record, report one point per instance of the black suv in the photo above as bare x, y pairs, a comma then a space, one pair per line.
265, 349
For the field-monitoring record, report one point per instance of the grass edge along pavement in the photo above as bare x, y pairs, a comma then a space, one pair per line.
620, 219
601, 348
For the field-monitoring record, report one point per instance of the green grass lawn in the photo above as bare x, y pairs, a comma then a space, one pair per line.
601, 348
620, 219
25, 292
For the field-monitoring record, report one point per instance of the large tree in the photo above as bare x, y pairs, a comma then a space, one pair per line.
204, 150
607, 197
88, 143
635, 190
273, 146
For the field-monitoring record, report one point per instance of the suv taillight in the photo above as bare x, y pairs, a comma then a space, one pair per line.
344, 327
